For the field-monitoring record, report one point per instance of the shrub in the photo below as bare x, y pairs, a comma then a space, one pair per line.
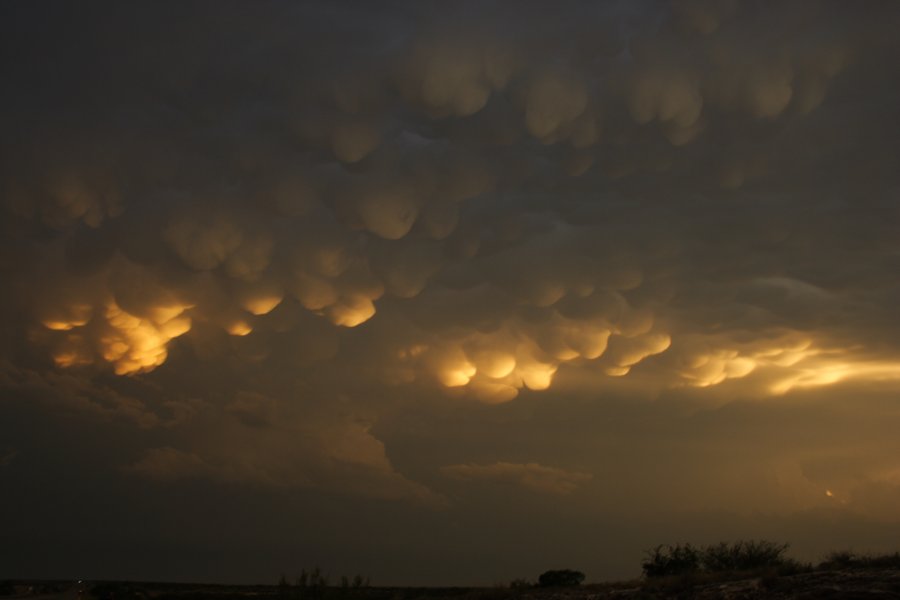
665, 560
560, 578
743, 556
681, 559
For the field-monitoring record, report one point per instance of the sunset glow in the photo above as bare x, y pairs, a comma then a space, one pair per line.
444, 292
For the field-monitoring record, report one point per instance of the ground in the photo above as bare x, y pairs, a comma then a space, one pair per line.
849, 584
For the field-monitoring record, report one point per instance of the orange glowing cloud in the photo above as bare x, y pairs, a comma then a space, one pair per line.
828, 371
131, 344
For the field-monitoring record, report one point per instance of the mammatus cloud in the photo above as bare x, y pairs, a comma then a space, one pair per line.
531, 476
778, 365
425, 205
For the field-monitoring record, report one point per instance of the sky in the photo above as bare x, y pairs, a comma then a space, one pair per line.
444, 293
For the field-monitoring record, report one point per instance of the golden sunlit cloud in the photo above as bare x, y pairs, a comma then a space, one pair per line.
131, 344
793, 362
239, 328
494, 367
351, 311
817, 373
536, 376
72, 352
337, 247
615, 271
76, 315
261, 305
138, 345
260, 298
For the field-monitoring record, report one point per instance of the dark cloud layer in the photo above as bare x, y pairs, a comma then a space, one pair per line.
604, 269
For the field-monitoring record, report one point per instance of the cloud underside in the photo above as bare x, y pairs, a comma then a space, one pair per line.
263, 239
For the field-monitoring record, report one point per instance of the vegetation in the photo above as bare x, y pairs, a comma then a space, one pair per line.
742, 556
670, 571
560, 578
666, 560
314, 585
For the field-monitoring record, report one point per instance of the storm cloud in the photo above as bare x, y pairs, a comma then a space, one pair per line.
632, 257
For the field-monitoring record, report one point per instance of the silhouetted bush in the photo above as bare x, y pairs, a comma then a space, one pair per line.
560, 578
7, 588
743, 555
667, 560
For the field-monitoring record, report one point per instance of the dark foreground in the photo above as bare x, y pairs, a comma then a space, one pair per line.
850, 584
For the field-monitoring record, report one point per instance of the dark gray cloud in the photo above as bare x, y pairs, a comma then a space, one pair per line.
617, 262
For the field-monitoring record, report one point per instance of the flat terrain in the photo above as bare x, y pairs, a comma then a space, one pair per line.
850, 584
844, 585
